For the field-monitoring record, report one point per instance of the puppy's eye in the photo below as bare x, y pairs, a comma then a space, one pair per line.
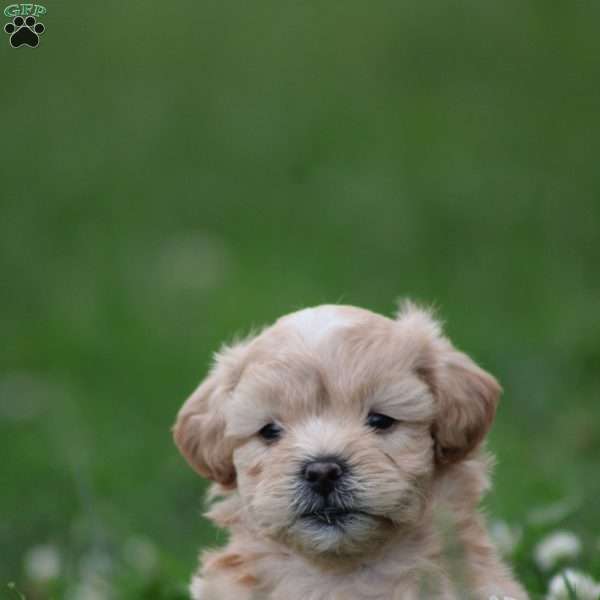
380, 422
270, 432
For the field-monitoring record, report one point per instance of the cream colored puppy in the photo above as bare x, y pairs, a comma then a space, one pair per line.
345, 447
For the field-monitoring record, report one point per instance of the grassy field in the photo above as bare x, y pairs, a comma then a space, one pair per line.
175, 174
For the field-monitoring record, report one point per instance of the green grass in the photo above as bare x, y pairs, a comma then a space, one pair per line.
172, 176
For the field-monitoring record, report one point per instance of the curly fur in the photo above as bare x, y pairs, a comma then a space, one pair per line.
413, 529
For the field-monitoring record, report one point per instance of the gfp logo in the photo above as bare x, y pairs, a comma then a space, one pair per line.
25, 29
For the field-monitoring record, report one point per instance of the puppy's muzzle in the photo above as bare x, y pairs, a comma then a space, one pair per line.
323, 475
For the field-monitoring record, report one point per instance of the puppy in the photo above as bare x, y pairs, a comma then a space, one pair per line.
346, 451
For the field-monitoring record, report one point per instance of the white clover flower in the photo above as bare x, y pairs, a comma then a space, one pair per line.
95, 568
42, 563
505, 537
583, 585
141, 554
557, 546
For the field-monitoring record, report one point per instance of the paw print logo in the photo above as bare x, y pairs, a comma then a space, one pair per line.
24, 31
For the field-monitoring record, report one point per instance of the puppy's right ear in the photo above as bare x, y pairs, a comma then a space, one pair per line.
199, 430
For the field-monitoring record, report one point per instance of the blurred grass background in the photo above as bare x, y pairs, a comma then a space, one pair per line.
173, 174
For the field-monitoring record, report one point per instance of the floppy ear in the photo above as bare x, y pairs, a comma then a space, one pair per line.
466, 395
467, 399
199, 430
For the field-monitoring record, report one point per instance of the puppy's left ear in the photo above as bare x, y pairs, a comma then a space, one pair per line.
467, 399
466, 395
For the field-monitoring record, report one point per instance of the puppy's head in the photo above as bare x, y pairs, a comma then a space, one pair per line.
333, 422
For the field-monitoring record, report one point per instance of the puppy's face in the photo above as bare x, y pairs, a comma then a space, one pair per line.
333, 422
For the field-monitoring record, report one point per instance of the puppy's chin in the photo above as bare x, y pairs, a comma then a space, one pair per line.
339, 534
319, 528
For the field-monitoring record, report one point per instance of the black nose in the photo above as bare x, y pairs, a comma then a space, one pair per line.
323, 475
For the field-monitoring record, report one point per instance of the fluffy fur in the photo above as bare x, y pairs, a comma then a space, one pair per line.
412, 529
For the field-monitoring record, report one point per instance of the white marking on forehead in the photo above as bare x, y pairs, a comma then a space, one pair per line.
315, 324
